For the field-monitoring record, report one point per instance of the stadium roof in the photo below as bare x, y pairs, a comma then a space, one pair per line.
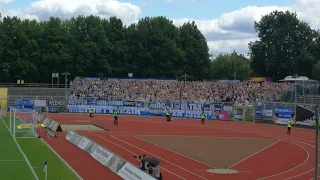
298, 78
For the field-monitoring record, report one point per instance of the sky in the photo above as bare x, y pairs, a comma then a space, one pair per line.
226, 24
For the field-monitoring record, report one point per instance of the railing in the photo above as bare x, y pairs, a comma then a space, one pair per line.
252, 112
35, 85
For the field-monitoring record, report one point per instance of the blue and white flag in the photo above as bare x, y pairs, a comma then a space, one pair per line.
45, 166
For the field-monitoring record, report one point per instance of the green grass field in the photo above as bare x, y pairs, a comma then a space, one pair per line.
13, 166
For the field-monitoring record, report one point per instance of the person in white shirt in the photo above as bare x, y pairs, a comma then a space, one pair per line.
155, 172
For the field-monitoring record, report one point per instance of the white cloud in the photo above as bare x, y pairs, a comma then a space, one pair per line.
234, 30
231, 31
42, 9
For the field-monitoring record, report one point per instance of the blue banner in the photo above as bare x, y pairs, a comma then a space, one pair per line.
107, 109
14, 106
95, 102
24, 102
37, 109
92, 78
137, 111
284, 112
259, 112
53, 109
140, 104
181, 106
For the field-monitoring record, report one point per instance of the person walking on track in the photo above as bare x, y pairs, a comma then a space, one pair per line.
115, 116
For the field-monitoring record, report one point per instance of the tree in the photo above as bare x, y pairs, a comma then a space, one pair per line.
196, 61
92, 46
316, 70
284, 46
230, 66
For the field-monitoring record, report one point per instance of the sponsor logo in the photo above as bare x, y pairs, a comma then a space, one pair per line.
57, 103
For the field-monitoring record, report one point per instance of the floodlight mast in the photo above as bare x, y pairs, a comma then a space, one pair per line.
316, 142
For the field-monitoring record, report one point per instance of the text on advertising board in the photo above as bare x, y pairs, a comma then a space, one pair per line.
57, 103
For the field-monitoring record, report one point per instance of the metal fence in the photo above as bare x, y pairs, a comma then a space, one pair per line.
249, 112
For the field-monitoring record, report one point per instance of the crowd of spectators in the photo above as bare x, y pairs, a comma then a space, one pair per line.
150, 90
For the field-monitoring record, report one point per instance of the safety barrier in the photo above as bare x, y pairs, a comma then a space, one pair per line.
251, 112
115, 163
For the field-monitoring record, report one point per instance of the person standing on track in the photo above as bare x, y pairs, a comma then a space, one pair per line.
203, 117
115, 116
168, 115
289, 127
90, 111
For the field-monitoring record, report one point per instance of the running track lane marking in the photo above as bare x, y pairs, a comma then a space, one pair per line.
135, 154
208, 134
253, 154
264, 134
209, 166
267, 134
313, 178
245, 133
158, 157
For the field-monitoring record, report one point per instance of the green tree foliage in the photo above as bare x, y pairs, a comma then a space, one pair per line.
231, 66
286, 46
91, 46
316, 70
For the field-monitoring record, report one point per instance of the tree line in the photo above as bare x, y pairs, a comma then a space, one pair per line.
153, 47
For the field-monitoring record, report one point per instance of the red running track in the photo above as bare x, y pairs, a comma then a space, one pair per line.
292, 157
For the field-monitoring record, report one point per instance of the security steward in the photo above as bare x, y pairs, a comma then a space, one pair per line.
115, 116
203, 117
168, 115
289, 126
90, 111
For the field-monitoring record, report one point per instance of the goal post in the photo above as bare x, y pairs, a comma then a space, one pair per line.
22, 123
244, 112
239, 113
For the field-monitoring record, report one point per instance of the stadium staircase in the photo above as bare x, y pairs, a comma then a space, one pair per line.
34, 91
308, 99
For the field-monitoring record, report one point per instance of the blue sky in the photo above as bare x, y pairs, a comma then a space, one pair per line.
201, 9
226, 24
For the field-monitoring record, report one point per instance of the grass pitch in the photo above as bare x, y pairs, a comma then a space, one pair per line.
13, 165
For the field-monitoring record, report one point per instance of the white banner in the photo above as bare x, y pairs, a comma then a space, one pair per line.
70, 135
40, 103
307, 122
130, 172
105, 109
282, 121
101, 155
267, 112
84, 143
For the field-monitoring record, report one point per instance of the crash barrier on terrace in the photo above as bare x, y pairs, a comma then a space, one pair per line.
116, 164
249, 112
48, 123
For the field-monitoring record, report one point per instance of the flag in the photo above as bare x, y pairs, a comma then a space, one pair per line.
45, 166
303, 113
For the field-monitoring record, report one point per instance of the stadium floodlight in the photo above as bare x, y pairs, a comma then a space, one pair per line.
66, 74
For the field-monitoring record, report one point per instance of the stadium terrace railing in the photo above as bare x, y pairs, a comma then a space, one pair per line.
225, 111
36, 85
